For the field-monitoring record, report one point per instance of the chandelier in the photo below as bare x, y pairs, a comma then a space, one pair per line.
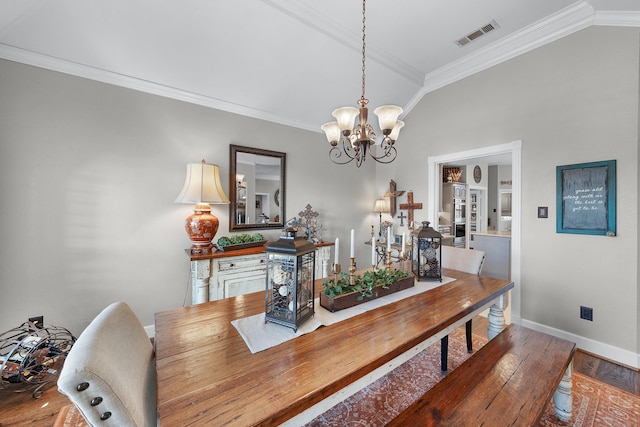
353, 140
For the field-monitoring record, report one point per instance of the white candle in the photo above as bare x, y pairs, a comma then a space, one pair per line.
389, 239
404, 241
373, 251
337, 257
353, 243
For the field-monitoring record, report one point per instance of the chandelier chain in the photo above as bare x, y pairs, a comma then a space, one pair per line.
353, 140
364, 26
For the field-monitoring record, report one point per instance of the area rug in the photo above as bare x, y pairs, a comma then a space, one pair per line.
595, 404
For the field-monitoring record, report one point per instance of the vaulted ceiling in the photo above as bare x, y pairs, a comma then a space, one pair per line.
288, 61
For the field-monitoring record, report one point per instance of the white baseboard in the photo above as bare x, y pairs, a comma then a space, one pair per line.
615, 354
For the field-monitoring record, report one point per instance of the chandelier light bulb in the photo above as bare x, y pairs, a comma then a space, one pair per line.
332, 131
346, 117
396, 130
387, 117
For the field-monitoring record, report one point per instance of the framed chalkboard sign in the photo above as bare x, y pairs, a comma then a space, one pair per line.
586, 198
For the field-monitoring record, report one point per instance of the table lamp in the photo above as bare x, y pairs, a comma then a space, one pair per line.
202, 186
381, 207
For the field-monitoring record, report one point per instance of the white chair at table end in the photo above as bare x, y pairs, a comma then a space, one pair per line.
468, 261
110, 372
461, 259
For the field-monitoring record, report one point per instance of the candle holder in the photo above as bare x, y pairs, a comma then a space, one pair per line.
374, 254
352, 271
335, 270
403, 256
290, 280
388, 259
426, 253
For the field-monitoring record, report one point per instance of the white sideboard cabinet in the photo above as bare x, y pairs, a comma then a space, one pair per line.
227, 274
237, 275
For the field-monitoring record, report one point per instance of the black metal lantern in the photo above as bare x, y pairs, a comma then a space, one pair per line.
426, 253
290, 280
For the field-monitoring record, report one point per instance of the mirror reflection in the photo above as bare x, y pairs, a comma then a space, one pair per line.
505, 203
504, 207
257, 180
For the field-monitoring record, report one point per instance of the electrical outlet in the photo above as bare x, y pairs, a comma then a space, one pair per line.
38, 321
586, 313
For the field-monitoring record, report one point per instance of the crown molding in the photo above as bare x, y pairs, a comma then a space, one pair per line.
345, 36
617, 19
80, 70
567, 21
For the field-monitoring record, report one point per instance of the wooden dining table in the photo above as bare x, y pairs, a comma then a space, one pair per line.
206, 374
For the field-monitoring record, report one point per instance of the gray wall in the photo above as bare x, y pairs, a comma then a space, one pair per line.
572, 101
88, 173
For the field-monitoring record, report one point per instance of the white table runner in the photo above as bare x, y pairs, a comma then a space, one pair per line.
259, 335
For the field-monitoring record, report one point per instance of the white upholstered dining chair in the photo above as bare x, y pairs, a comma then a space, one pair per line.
110, 372
468, 261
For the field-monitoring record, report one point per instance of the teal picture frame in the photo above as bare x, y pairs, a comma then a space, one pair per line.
586, 198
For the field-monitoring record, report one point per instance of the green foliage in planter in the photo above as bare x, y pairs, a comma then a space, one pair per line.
239, 238
363, 284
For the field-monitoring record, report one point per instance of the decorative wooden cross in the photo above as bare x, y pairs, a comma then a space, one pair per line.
393, 194
410, 206
402, 216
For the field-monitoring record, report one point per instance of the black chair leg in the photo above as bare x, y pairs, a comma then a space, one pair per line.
444, 351
468, 333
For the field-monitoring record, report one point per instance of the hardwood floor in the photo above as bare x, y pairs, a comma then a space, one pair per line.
622, 377
608, 372
21, 410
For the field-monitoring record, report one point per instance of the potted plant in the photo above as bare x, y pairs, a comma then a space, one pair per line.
339, 293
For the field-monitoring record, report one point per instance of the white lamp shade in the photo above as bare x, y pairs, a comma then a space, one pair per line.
387, 116
202, 185
332, 131
346, 117
396, 130
381, 205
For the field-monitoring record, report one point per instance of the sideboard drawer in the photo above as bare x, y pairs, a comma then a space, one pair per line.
240, 262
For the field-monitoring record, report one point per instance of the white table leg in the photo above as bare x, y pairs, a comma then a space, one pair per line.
496, 317
496, 321
562, 398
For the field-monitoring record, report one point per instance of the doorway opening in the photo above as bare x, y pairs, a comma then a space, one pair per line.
486, 154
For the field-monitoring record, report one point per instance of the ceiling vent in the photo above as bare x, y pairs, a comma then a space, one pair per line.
477, 33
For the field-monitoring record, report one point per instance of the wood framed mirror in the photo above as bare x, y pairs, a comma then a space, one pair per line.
257, 181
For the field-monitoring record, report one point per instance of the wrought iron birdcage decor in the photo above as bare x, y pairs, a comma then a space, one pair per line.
426, 253
290, 280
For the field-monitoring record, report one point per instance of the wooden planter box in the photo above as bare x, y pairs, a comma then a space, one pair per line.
340, 302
